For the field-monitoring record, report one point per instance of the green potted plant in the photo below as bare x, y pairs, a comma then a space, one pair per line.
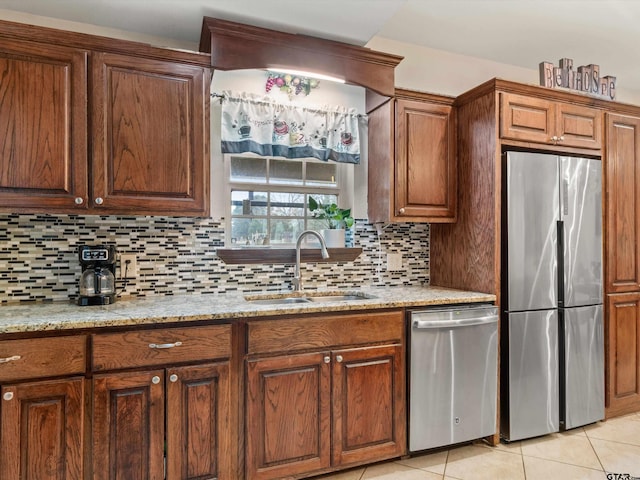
336, 219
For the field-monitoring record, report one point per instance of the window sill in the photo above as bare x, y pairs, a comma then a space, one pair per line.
236, 256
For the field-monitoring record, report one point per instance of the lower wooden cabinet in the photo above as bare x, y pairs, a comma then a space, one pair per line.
315, 411
130, 413
169, 419
128, 426
198, 426
42, 430
42, 421
288, 415
623, 354
368, 404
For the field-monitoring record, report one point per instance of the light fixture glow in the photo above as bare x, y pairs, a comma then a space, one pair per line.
302, 73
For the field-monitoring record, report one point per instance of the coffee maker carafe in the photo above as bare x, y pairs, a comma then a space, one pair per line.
97, 281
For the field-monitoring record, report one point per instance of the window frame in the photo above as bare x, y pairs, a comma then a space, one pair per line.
343, 190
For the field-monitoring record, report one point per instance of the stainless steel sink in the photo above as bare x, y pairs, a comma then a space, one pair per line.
338, 298
277, 301
306, 297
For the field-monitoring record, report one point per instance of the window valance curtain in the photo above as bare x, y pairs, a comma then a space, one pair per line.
257, 124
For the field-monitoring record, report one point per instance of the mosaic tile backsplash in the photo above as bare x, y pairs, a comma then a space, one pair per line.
175, 255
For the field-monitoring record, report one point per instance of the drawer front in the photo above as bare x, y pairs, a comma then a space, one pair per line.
164, 346
312, 332
42, 357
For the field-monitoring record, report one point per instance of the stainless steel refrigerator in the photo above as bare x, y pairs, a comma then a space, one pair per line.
552, 340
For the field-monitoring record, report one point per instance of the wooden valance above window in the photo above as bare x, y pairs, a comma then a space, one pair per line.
235, 46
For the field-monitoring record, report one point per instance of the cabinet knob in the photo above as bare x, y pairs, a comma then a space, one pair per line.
554, 138
562, 138
99, 201
173, 378
327, 359
155, 380
8, 396
339, 358
79, 200
401, 211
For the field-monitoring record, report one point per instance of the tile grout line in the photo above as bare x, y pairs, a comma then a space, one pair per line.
446, 462
566, 463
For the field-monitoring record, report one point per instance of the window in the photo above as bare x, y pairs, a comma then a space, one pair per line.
268, 197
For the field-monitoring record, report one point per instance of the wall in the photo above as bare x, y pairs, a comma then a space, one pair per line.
446, 73
175, 255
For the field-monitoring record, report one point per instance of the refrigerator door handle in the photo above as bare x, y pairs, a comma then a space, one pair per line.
565, 197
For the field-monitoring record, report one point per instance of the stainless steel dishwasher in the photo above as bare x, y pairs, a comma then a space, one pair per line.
453, 378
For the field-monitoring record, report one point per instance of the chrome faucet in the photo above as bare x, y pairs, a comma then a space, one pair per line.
297, 279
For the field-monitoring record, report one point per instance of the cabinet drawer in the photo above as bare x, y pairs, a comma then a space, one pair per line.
42, 357
141, 348
314, 332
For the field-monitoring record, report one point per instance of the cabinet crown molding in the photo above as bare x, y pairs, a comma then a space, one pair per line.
235, 46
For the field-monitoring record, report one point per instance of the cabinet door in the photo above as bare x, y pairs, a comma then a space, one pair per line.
526, 118
43, 127
198, 427
288, 416
622, 204
128, 426
578, 126
150, 147
368, 404
426, 174
623, 354
42, 430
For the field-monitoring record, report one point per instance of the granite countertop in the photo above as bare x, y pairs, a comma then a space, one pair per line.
36, 317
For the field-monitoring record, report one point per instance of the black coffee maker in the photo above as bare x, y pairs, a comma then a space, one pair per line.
97, 281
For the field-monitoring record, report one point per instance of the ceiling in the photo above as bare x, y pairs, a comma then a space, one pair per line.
514, 32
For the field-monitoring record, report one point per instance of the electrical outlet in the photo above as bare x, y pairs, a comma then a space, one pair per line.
394, 262
129, 265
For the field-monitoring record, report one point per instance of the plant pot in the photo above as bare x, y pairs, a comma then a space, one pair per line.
333, 238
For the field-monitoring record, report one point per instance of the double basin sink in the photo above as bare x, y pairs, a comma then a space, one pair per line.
290, 298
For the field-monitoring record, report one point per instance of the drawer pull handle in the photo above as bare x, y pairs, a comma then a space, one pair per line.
10, 359
164, 345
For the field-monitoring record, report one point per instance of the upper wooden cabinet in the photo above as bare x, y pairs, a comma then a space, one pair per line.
412, 160
532, 119
150, 135
144, 109
622, 204
43, 126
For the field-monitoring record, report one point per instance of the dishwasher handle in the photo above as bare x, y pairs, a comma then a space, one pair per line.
467, 322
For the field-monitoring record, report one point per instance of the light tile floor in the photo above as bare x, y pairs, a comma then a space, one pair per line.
588, 453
